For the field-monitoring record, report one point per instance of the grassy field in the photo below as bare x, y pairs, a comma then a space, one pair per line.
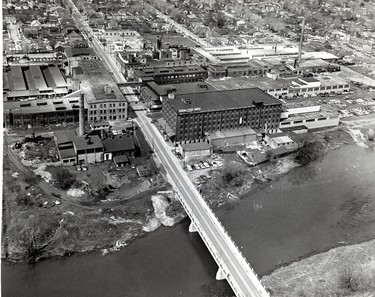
342, 271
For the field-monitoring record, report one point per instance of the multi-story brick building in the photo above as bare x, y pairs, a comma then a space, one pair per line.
103, 98
194, 116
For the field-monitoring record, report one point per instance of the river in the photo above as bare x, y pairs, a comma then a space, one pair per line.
306, 211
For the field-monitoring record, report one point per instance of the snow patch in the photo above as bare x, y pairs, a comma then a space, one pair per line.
359, 138
75, 192
151, 225
40, 170
114, 221
69, 212
160, 205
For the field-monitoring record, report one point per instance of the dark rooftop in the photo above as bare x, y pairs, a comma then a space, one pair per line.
64, 136
221, 100
118, 144
81, 143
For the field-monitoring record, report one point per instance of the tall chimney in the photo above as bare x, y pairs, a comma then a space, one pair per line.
81, 130
301, 42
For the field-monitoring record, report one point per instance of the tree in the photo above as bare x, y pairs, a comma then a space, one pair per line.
310, 151
64, 178
221, 20
36, 237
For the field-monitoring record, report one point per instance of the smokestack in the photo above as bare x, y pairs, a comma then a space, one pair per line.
301, 42
81, 130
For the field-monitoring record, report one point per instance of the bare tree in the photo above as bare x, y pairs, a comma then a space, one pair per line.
35, 238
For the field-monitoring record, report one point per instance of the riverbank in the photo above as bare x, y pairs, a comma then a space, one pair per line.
235, 180
342, 271
42, 221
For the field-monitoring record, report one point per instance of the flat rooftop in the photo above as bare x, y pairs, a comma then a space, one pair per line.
221, 100
41, 106
263, 83
83, 143
231, 133
169, 70
181, 88
95, 79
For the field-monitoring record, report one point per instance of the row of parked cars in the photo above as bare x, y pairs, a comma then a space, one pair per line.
203, 165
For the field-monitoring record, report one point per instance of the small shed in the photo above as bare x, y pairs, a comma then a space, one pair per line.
121, 161
279, 140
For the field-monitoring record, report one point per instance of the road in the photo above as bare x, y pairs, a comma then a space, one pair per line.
96, 44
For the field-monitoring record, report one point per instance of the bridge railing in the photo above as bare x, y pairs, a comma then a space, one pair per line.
216, 254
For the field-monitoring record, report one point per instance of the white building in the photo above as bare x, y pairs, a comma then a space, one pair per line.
312, 117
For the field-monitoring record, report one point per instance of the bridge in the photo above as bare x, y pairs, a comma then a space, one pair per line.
232, 265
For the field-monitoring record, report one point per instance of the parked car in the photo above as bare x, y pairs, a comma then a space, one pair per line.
197, 167
189, 168
206, 165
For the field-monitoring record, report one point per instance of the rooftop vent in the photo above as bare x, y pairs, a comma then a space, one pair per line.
185, 101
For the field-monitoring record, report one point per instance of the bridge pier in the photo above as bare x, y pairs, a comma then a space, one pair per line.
192, 227
220, 275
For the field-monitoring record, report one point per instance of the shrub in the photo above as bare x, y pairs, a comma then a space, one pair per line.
64, 178
232, 176
310, 151
31, 178
347, 281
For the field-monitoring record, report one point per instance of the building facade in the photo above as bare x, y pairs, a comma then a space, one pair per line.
172, 75
195, 116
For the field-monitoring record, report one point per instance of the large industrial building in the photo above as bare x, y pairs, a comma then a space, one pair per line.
33, 81
194, 116
41, 112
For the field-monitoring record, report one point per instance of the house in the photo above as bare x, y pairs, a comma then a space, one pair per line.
73, 37
118, 146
